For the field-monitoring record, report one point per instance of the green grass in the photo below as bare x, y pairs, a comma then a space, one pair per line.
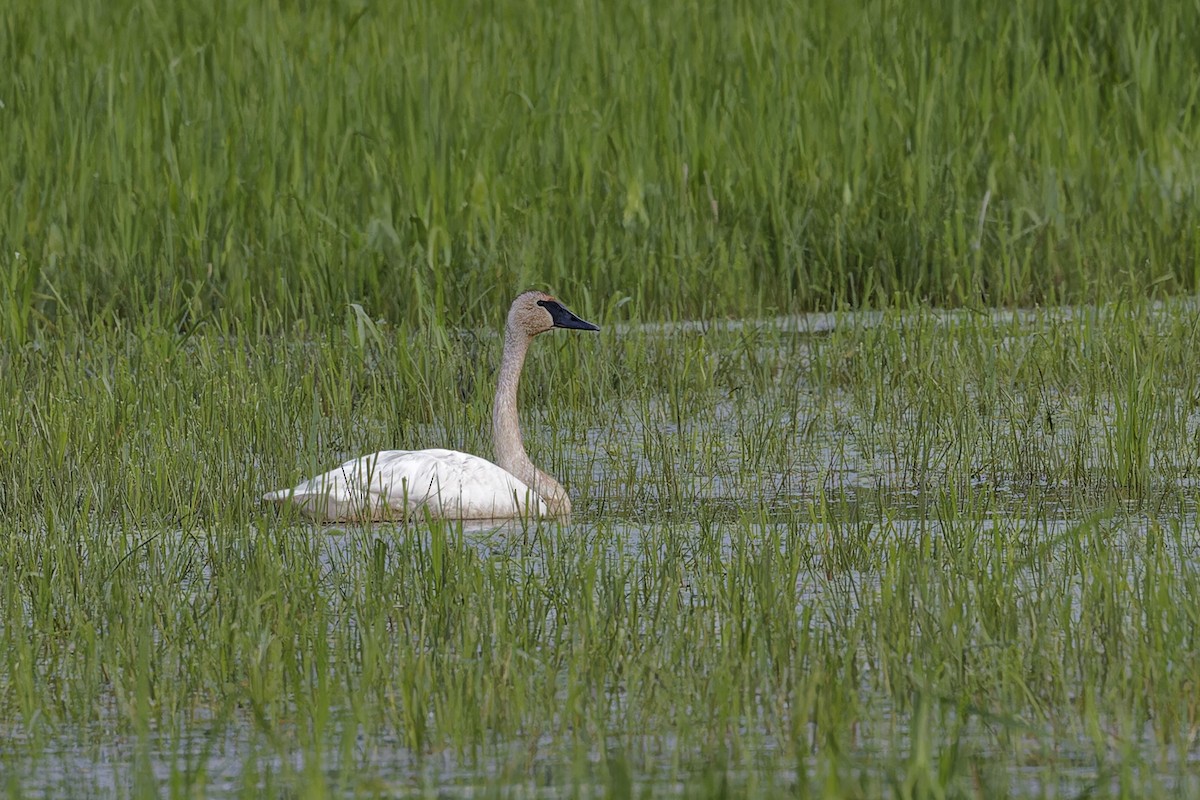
934, 555
913, 553
272, 163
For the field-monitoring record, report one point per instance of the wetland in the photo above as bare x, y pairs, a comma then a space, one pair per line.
913, 553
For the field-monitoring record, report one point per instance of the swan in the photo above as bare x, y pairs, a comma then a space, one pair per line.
447, 484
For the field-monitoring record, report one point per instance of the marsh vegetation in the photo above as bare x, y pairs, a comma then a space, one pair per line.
913, 546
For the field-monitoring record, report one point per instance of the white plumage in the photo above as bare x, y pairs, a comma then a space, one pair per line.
398, 484
446, 484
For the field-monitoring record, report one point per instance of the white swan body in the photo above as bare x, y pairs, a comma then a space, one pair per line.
398, 484
446, 484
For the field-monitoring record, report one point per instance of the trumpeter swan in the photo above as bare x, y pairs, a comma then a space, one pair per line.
447, 484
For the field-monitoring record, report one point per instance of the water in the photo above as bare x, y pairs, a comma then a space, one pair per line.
682, 505
228, 755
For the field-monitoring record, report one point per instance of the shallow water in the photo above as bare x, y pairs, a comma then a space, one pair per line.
798, 472
99, 760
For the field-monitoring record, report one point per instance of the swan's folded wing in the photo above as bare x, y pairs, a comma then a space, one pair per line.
395, 484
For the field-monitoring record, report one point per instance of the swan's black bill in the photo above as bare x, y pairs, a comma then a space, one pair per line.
564, 318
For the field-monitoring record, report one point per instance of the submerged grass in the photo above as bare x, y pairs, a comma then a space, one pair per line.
275, 162
915, 554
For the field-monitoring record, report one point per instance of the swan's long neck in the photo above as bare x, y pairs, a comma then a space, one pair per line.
506, 427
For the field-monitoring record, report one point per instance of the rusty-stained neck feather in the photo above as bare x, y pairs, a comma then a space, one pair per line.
506, 427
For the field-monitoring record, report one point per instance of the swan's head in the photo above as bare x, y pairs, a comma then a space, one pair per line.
536, 312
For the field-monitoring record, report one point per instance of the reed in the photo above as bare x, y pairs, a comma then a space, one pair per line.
274, 164
896, 551
919, 554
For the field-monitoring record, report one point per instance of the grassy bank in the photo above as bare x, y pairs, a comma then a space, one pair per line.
273, 163
918, 556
